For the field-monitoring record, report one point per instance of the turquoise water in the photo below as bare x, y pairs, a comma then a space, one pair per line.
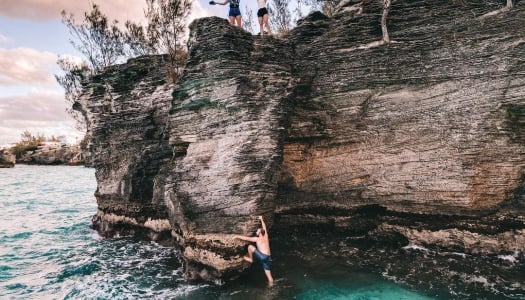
48, 251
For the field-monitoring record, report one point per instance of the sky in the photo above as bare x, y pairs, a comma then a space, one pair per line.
32, 37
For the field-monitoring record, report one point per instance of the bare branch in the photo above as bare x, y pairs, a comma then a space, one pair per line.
506, 8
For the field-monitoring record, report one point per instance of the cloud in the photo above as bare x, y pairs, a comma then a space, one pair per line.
26, 66
122, 10
198, 11
41, 10
41, 105
30, 98
5, 39
39, 111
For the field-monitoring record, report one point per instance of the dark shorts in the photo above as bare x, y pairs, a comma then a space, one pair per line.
234, 12
266, 260
261, 12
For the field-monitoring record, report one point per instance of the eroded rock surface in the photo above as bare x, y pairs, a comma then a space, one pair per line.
126, 109
428, 126
421, 140
226, 129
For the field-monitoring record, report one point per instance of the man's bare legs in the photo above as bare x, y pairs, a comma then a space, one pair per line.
249, 257
269, 276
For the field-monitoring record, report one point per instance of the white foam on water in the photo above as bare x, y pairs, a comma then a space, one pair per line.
95, 236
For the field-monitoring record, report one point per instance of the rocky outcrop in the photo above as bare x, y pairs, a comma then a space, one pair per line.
53, 155
429, 125
7, 159
226, 126
421, 140
126, 112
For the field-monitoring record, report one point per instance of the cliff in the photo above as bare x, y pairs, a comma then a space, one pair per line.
420, 140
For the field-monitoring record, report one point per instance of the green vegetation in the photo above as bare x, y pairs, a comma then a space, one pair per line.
103, 43
29, 142
282, 16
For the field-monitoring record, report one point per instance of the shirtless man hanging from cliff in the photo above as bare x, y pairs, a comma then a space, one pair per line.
262, 252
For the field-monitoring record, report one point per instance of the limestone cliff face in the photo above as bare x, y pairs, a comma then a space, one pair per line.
226, 127
422, 138
429, 125
126, 109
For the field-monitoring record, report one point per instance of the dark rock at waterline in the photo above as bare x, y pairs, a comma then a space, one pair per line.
7, 159
420, 140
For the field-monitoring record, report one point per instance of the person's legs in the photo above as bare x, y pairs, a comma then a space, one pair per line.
232, 20
239, 20
249, 257
266, 262
269, 276
260, 25
267, 22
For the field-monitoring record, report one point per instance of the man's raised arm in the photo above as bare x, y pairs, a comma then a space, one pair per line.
246, 238
263, 224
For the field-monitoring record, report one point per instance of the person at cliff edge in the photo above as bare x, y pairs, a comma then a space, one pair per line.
234, 14
262, 15
262, 251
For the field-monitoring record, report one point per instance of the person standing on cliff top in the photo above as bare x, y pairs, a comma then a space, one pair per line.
234, 14
262, 15
262, 251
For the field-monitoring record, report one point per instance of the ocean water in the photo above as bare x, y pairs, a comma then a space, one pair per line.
49, 251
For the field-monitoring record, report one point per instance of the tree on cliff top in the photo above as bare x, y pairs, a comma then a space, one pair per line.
101, 42
74, 74
327, 7
387, 4
247, 19
509, 6
280, 16
164, 32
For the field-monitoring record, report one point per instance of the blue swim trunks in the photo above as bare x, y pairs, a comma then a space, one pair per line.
234, 12
266, 260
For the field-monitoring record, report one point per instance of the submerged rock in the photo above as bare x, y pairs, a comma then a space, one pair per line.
421, 140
